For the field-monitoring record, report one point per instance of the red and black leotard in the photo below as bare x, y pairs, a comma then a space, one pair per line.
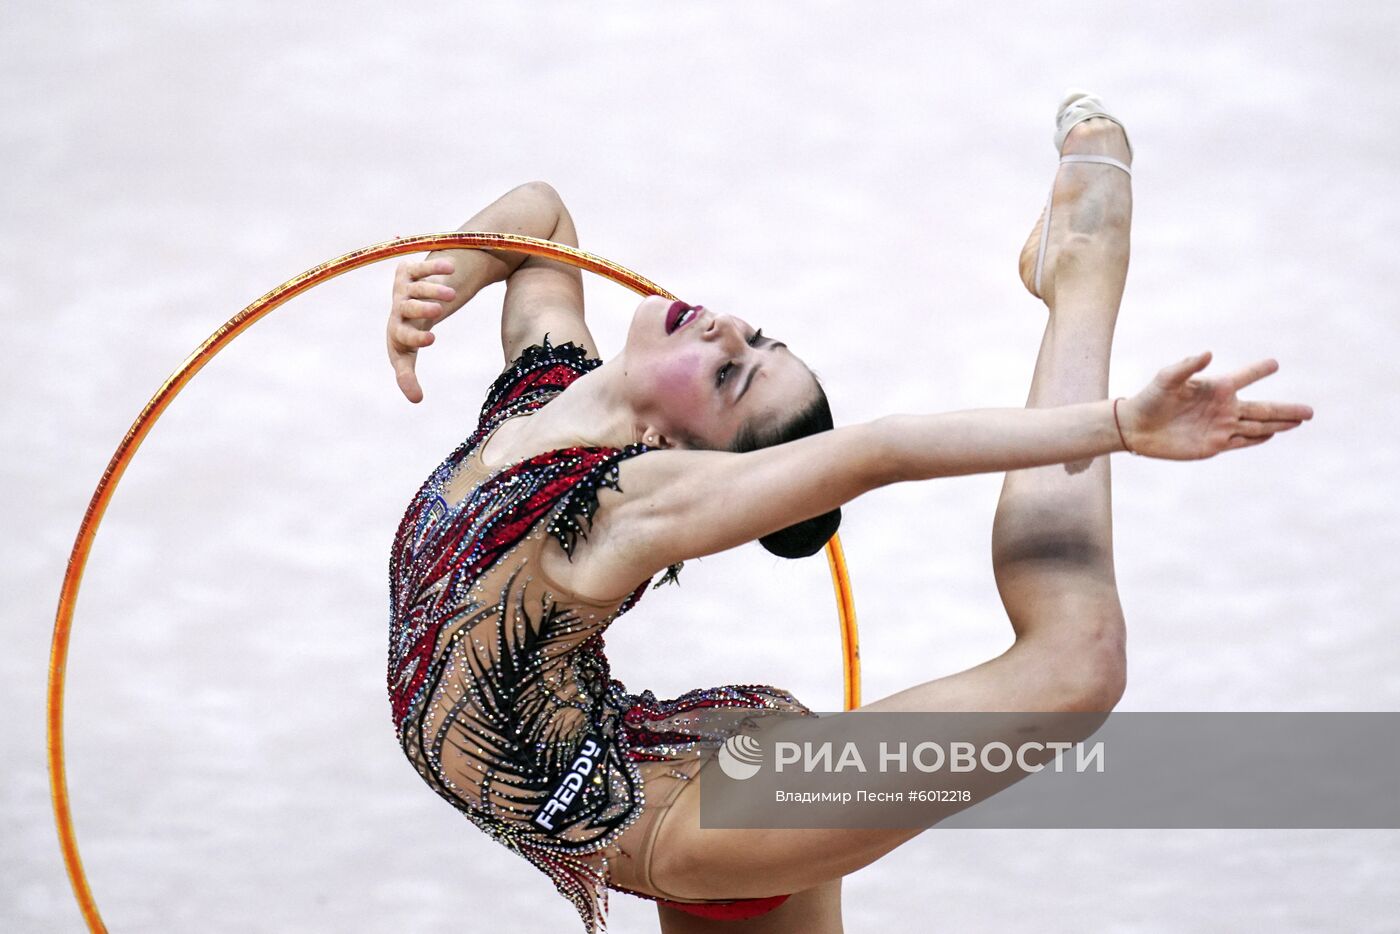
501, 694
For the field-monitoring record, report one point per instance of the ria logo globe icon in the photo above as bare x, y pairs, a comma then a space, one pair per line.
740, 756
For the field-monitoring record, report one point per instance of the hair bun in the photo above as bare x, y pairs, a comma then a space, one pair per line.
804, 539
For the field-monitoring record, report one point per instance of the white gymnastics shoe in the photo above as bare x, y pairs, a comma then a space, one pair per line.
1077, 107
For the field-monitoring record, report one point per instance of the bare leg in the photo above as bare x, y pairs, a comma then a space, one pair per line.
1052, 541
1052, 556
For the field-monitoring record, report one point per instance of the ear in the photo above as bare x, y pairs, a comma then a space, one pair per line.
652, 437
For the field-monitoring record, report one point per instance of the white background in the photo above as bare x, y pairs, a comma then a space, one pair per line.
855, 178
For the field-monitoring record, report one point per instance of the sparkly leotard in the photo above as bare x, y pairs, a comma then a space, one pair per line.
501, 693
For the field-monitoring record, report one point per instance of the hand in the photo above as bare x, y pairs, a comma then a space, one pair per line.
1179, 417
412, 313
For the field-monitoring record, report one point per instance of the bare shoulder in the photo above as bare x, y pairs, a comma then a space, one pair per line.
674, 505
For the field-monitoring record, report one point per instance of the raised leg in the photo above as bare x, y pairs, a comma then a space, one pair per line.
1052, 541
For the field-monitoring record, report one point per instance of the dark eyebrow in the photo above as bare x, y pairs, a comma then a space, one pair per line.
768, 344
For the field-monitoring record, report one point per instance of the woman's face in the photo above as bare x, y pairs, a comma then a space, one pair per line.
698, 376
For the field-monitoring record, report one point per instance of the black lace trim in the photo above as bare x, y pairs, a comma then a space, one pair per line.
577, 506
568, 352
538, 356
574, 517
672, 575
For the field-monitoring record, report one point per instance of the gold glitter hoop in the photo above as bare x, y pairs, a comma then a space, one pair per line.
87, 531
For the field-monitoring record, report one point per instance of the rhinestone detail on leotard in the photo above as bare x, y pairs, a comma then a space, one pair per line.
499, 684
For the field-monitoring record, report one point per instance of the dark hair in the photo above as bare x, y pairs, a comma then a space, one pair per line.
810, 535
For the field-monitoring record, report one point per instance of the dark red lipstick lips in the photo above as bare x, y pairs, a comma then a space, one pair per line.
673, 314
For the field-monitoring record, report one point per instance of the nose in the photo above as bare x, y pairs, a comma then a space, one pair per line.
720, 327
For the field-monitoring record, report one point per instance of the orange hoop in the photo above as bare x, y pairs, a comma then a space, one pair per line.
87, 531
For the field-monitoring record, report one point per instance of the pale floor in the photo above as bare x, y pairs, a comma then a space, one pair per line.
856, 180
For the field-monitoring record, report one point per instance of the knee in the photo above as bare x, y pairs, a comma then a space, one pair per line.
1100, 683
1089, 665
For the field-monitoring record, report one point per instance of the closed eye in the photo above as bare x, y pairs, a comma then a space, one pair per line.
724, 370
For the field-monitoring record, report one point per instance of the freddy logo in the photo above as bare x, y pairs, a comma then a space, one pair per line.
568, 794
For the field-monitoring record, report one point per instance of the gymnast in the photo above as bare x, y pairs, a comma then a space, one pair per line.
547, 523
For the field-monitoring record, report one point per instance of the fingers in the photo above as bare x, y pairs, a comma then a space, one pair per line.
408, 338
403, 359
410, 270
430, 291
1250, 433
1251, 429
1240, 441
1275, 411
1253, 373
408, 384
415, 300
1179, 373
417, 309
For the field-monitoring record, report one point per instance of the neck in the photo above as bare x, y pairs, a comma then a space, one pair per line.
591, 412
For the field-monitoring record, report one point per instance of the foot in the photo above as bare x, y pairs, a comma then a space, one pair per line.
1091, 207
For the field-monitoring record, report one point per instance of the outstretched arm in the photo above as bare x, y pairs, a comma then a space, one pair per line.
682, 504
1177, 417
541, 295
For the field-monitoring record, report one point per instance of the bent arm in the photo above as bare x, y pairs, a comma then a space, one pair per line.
531, 210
